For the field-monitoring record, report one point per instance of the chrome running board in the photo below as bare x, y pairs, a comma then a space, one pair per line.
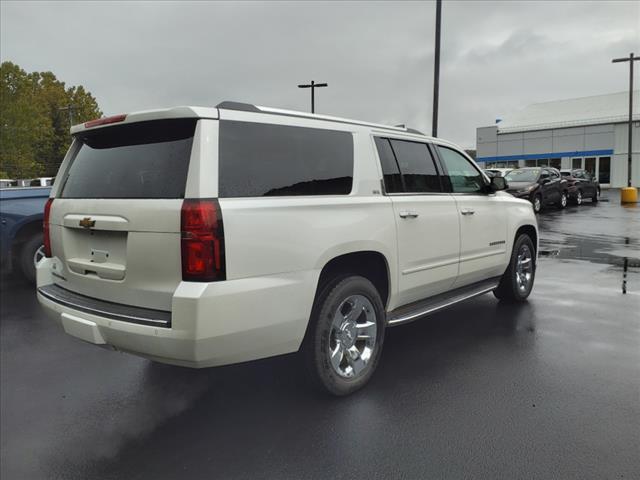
413, 311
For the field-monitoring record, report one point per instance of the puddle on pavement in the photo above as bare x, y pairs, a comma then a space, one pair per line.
620, 252
610, 250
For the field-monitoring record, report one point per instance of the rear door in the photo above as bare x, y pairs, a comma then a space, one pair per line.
482, 216
115, 219
585, 182
426, 219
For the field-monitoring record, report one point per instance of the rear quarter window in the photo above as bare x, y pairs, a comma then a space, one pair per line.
139, 160
259, 159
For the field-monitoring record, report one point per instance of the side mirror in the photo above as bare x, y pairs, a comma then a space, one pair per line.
498, 183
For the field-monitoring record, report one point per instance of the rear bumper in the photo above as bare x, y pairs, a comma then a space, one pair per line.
210, 323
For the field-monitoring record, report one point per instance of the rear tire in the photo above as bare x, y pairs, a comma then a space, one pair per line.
25, 259
345, 336
517, 282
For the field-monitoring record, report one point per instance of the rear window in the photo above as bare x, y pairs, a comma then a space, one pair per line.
258, 159
407, 166
140, 160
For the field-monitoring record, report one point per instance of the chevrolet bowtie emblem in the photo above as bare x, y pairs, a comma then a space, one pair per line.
86, 222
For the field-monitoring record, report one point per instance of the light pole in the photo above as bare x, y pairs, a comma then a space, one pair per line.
313, 85
631, 58
436, 71
70, 108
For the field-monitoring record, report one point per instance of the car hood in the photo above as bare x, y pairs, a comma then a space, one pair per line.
514, 186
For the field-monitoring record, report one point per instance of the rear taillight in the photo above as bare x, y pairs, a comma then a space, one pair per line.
105, 121
202, 241
46, 235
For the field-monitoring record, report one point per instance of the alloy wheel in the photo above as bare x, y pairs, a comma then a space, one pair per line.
353, 336
39, 255
524, 268
537, 204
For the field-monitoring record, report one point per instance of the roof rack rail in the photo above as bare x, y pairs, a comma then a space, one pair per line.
242, 107
248, 107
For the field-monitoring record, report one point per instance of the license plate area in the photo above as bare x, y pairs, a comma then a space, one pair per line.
100, 253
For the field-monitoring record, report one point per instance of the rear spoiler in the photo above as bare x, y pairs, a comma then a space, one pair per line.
145, 116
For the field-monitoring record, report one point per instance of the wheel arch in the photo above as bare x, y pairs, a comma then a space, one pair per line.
531, 232
371, 264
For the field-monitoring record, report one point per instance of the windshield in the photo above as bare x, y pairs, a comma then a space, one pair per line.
523, 175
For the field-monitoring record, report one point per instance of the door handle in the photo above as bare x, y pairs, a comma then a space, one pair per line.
467, 211
408, 214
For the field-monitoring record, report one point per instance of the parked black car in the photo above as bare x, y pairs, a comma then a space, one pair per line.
580, 185
542, 186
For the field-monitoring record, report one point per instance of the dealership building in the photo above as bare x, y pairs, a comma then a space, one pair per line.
589, 133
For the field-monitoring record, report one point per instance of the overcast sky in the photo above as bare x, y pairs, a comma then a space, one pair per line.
497, 57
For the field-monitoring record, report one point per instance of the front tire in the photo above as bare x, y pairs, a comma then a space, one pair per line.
537, 203
596, 195
517, 282
579, 197
345, 336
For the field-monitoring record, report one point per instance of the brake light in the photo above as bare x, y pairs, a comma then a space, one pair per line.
202, 241
46, 235
105, 121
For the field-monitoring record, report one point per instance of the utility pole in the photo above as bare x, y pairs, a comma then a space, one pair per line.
631, 58
436, 71
70, 108
313, 85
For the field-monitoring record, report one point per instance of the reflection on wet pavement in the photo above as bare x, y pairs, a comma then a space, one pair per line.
606, 233
482, 390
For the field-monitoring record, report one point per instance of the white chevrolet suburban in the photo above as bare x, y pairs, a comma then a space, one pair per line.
210, 236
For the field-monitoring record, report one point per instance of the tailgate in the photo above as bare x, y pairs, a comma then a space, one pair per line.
115, 223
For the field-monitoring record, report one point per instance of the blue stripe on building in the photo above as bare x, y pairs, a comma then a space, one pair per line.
542, 156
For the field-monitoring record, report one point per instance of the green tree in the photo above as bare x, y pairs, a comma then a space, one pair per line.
34, 130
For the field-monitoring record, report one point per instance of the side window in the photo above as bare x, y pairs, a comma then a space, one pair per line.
416, 164
390, 170
554, 174
260, 159
464, 177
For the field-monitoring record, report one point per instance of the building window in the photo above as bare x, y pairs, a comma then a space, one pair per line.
530, 163
590, 165
604, 170
576, 163
555, 163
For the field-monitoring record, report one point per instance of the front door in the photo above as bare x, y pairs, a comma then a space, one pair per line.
550, 185
482, 218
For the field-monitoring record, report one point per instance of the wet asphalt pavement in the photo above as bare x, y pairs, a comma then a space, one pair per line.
547, 389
